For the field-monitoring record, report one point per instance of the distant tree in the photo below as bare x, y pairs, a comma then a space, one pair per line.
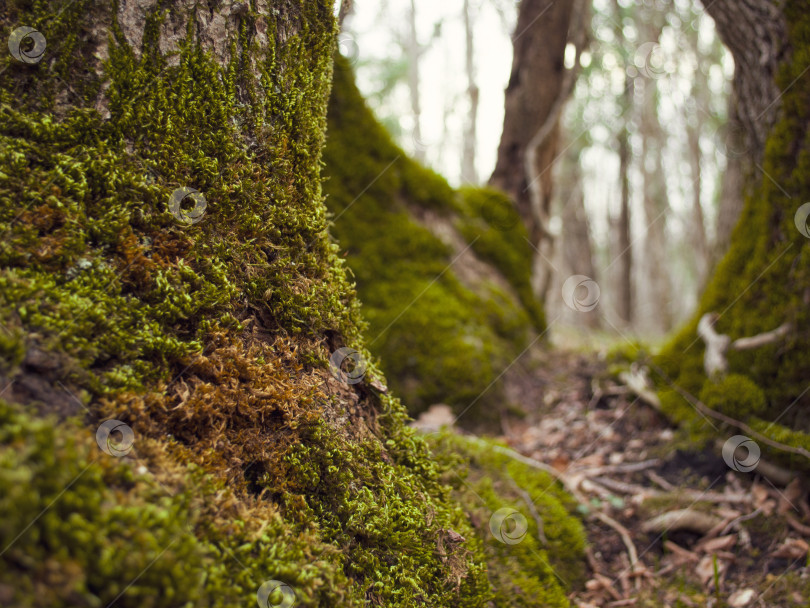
624, 300
657, 283
414, 52
469, 173
538, 86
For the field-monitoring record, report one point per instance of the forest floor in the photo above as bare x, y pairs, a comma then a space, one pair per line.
668, 522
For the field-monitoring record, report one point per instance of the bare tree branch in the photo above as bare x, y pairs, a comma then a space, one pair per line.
345, 8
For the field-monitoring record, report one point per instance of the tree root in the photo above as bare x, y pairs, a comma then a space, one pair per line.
681, 519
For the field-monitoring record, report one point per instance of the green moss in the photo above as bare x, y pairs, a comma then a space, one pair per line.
527, 570
212, 340
439, 340
491, 223
624, 353
80, 528
734, 395
95, 266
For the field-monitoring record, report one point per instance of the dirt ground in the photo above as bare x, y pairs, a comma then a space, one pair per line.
735, 539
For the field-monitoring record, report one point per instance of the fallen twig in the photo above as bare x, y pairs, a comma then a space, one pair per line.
681, 519
693, 495
797, 525
627, 467
655, 477
685, 554
533, 510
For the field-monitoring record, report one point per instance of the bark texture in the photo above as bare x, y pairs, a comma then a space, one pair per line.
755, 32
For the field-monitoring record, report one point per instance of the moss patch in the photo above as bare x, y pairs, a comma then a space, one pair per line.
164, 536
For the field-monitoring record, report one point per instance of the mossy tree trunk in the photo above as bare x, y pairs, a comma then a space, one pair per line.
764, 279
204, 325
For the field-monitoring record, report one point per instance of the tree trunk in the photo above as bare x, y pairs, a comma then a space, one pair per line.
414, 51
536, 87
755, 32
764, 279
731, 187
624, 253
656, 282
576, 247
469, 173
209, 339
697, 222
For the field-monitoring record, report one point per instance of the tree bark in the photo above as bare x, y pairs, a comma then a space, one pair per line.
731, 189
755, 32
576, 247
695, 128
658, 288
763, 279
697, 231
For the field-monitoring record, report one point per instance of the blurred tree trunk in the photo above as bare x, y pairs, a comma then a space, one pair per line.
731, 188
414, 51
695, 126
346, 8
706, 251
697, 221
755, 33
624, 255
576, 248
536, 90
468, 171
657, 282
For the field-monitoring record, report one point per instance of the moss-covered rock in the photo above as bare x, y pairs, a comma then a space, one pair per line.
443, 275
